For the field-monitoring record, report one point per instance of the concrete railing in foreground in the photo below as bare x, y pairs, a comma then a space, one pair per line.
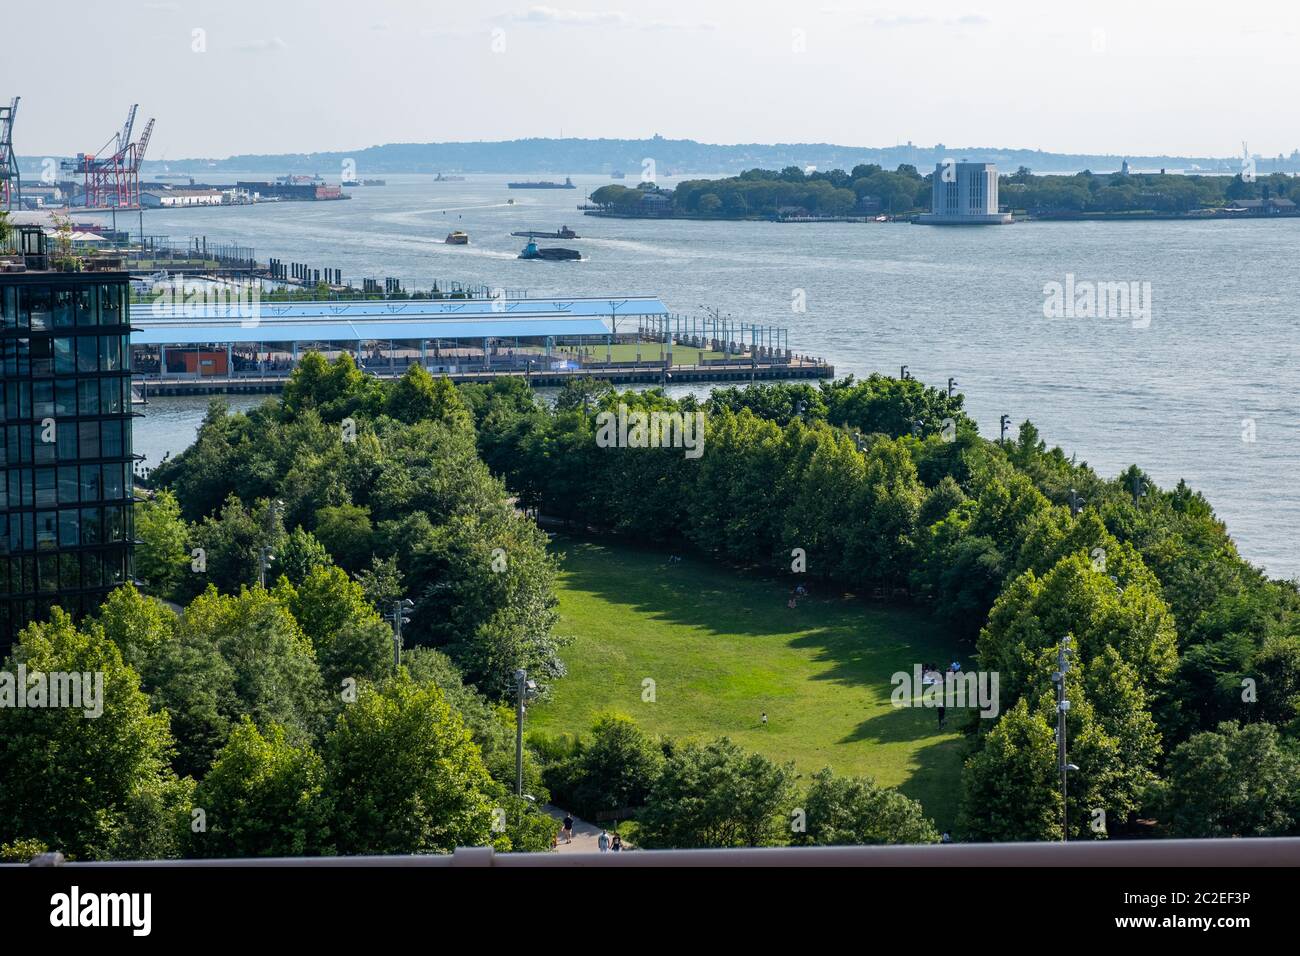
1271, 851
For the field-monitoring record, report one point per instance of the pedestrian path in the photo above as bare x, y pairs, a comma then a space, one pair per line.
584, 834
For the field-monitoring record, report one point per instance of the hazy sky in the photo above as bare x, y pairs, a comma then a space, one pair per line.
235, 76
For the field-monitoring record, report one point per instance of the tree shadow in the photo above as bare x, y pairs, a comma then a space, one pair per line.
855, 643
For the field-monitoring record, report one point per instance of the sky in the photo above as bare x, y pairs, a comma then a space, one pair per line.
267, 76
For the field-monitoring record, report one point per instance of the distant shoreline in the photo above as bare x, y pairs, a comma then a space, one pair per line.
1214, 214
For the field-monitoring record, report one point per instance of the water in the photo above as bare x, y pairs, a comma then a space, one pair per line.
1221, 347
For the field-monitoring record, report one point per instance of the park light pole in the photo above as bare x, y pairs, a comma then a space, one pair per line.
399, 615
1063, 655
952, 385
265, 555
1076, 503
1138, 487
1004, 423
264, 558
524, 689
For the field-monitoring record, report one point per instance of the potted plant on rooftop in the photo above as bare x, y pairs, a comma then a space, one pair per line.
65, 258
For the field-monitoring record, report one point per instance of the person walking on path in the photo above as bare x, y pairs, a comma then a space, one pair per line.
603, 842
568, 828
616, 845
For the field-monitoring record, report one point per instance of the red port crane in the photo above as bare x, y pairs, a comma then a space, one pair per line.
11, 184
112, 175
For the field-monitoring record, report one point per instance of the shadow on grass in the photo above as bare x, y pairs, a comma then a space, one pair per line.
860, 643
856, 644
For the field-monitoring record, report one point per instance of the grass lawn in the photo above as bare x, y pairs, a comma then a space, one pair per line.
723, 647
650, 351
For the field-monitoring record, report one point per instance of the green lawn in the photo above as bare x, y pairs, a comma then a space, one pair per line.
723, 647
650, 351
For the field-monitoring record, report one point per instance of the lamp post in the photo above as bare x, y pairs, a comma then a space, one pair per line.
1138, 487
264, 558
1076, 503
399, 615
903, 373
1004, 423
265, 555
524, 688
1063, 655
952, 386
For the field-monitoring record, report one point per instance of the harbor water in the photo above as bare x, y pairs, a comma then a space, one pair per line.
1207, 388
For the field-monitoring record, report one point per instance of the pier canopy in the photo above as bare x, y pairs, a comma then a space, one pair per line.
236, 320
218, 335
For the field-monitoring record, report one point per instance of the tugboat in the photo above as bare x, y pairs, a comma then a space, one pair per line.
564, 233
457, 238
554, 254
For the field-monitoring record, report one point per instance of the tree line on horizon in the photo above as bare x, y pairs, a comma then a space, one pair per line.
870, 189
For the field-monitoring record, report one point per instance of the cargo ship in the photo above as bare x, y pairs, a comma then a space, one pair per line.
555, 254
564, 233
543, 184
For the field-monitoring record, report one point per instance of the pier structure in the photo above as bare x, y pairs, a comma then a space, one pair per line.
250, 346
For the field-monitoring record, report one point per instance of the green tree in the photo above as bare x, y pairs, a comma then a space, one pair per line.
418, 396
162, 552
96, 787
616, 768
717, 795
299, 554
138, 624
853, 810
404, 775
350, 638
236, 655
263, 797
1010, 787
1238, 781
346, 532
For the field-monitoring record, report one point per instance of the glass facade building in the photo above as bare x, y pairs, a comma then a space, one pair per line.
66, 493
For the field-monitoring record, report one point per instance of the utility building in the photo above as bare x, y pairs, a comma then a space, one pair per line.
965, 194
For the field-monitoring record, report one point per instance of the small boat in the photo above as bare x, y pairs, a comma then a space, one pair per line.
457, 238
554, 254
564, 233
440, 178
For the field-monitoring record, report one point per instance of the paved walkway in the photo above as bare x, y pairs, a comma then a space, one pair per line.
584, 834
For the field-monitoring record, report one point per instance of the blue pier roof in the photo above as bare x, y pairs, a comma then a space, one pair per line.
329, 321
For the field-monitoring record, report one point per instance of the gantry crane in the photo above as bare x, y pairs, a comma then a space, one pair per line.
11, 183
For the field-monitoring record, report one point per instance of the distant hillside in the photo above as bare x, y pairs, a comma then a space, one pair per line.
685, 157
